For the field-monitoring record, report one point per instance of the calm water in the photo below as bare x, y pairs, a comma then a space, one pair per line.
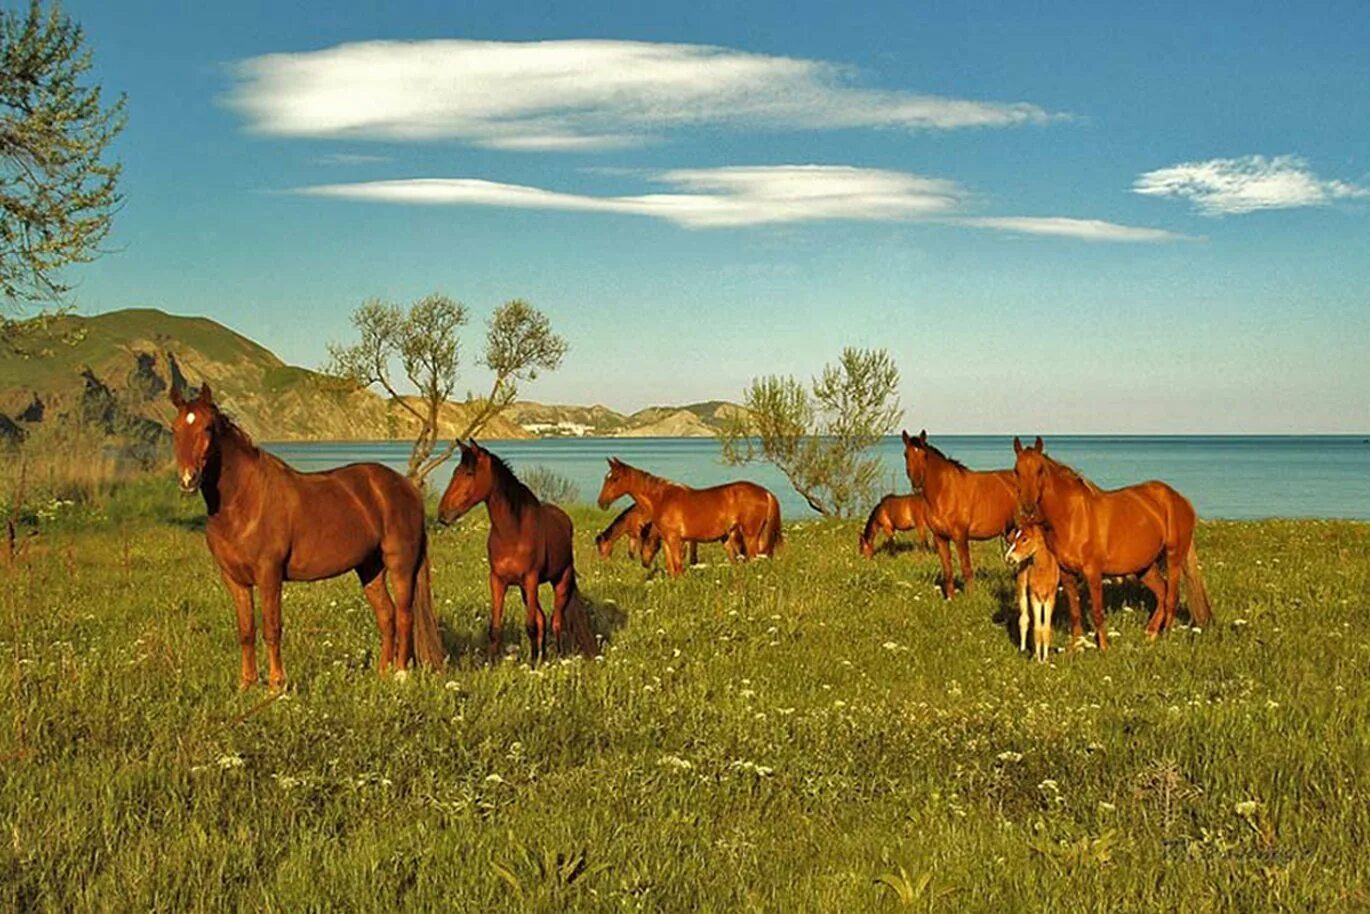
1229, 477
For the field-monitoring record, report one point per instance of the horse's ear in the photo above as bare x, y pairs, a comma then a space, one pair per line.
907, 440
1017, 445
206, 397
1039, 444
177, 400
923, 436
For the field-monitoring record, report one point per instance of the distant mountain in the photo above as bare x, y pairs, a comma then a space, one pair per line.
116, 368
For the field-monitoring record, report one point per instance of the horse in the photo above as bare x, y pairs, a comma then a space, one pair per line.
268, 523
742, 514
630, 522
1095, 532
530, 544
895, 512
962, 504
1027, 549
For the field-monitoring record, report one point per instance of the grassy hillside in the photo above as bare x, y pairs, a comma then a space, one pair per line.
816, 733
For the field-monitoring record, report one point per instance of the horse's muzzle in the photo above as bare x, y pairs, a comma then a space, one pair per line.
189, 482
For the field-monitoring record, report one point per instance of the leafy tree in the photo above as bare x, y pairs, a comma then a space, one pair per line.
819, 436
425, 340
57, 191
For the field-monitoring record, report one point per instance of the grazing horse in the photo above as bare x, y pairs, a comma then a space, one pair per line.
529, 544
742, 514
895, 512
1096, 532
269, 523
962, 504
1039, 570
631, 522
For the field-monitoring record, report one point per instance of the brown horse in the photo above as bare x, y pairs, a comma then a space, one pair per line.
895, 512
1097, 532
962, 504
529, 544
631, 522
742, 514
268, 524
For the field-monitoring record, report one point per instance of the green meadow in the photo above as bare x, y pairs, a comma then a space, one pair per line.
820, 732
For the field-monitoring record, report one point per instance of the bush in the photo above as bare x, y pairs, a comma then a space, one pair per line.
550, 486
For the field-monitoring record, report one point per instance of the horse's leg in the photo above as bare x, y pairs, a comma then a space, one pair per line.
561, 596
1042, 634
1077, 627
373, 586
944, 553
1156, 583
694, 553
1095, 579
270, 584
673, 557
247, 629
1022, 583
967, 571
497, 588
1174, 567
535, 623
401, 580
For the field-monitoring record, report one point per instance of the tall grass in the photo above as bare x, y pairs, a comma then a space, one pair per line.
820, 732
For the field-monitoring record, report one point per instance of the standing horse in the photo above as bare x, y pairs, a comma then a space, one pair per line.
962, 504
1039, 570
1097, 532
529, 544
895, 512
268, 524
737, 513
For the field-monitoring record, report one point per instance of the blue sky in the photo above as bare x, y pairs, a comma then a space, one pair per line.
1065, 217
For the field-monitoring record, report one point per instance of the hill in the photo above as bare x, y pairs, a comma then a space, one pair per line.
116, 368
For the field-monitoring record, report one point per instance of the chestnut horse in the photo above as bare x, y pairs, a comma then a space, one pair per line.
742, 514
529, 544
895, 512
269, 523
632, 522
962, 504
1097, 532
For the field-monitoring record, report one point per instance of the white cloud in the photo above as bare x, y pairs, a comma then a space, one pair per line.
1065, 227
705, 198
572, 95
349, 158
1221, 187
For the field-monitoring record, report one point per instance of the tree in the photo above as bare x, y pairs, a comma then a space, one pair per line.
425, 340
58, 194
818, 437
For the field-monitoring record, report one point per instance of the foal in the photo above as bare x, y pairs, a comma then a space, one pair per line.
1038, 580
895, 512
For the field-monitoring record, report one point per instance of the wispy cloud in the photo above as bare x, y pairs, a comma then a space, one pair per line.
746, 196
349, 158
573, 95
1222, 187
1065, 227
704, 198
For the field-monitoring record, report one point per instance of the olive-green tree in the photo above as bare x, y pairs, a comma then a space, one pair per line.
58, 191
820, 436
424, 339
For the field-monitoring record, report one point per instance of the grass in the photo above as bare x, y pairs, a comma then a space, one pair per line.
820, 733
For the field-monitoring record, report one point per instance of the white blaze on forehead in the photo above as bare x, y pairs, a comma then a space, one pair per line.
190, 418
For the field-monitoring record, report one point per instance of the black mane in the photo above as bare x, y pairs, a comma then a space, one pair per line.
515, 492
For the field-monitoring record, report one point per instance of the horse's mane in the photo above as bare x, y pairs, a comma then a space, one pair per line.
1071, 473
225, 427
651, 477
934, 449
515, 492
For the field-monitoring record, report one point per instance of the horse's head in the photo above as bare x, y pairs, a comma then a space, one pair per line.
604, 545
867, 545
1030, 471
615, 483
1023, 543
193, 436
471, 483
916, 458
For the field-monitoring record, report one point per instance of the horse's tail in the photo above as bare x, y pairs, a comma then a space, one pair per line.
578, 618
1200, 608
772, 536
428, 647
